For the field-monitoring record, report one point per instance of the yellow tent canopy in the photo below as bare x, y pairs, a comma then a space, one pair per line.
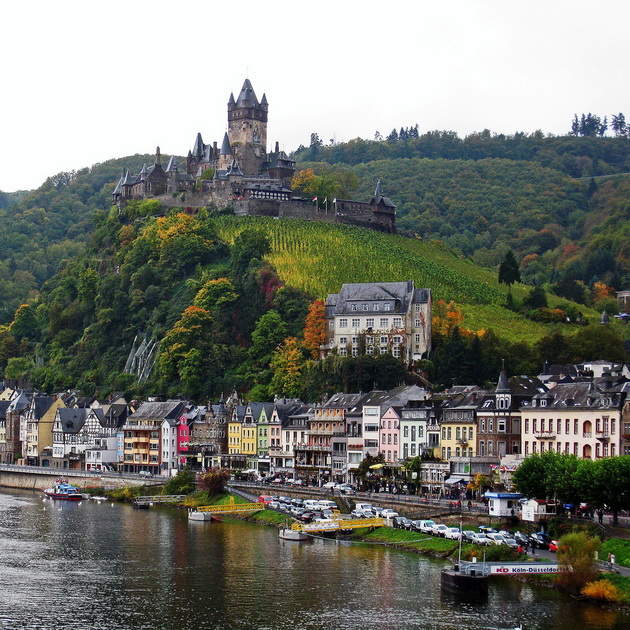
376, 467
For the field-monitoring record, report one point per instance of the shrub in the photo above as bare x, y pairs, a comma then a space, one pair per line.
601, 590
576, 555
182, 483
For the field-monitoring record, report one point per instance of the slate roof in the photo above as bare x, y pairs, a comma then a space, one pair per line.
379, 198
158, 410
72, 420
398, 294
580, 395
226, 148
247, 96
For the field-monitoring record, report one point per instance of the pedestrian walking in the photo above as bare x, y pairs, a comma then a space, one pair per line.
600, 515
469, 505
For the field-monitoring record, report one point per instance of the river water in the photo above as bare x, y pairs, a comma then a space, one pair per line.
91, 565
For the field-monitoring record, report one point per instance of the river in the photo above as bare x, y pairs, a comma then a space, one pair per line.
108, 566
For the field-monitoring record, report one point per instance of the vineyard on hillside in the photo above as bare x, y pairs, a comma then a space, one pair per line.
319, 257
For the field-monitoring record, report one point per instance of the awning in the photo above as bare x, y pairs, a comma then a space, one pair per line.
376, 467
452, 480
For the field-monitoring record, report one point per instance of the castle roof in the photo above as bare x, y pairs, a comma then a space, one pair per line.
199, 146
247, 96
172, 165
226, 149
379, 198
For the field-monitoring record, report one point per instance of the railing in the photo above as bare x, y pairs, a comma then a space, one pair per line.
587, 434
314, 447
544, 435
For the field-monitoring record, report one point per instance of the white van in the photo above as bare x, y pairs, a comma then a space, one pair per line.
325, 504
311, 504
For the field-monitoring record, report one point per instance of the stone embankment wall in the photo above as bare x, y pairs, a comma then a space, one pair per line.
39, 480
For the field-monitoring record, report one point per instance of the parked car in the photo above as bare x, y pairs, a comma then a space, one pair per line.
389, 513
306, 517
496, 538
346, 488
401, 522
415, 525
329, 485
467, 535
521, 538
512, 544
480, 539
484, 529
439, 529
553, 545
452, 533
426, 526
539, 540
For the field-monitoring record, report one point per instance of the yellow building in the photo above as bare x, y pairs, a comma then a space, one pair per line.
459, 429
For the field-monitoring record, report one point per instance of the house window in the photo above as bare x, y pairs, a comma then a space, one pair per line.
355, 352
383, 341
405, 431
331, 324
398, 322
369, 339
354, 307
343, 340
377, 307
397, 339
343, 352
355, 340
384, 322
417, 308
370, 350
575, 428
501, 425
369, 322
343, 323
356, 322
364, 307
386, 306
396, 351
417, 323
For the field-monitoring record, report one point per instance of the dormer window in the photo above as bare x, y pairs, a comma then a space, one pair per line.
354, 307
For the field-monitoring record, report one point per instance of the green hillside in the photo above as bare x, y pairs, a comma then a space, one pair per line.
319, 257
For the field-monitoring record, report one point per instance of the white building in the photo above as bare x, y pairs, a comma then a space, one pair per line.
379, 318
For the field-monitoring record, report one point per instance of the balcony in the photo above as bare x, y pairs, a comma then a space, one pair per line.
462, 441
314, 447
603, 436
544, 435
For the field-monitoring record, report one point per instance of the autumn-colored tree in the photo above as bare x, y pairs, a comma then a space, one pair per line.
306, 182
213, 481
446, 317
576, 557
602, 291
315, 328
286, 365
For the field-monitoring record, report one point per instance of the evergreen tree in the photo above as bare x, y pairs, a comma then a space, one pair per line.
508, 270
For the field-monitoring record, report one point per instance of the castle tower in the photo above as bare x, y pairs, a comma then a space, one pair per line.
247, 129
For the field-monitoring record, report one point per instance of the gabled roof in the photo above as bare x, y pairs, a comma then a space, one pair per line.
72, 420
172, 165
41, 404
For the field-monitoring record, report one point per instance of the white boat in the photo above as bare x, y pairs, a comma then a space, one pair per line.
194, 515
286, 533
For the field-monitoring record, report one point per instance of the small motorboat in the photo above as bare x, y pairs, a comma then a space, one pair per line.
286, 533
61, 489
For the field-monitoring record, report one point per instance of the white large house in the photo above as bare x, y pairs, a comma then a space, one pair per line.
577, 418
378, 318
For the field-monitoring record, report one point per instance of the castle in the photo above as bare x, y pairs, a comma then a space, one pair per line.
241, 175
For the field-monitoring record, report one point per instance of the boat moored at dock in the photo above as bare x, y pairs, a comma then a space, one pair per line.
61, 489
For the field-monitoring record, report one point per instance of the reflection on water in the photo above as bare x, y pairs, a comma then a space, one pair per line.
80, 565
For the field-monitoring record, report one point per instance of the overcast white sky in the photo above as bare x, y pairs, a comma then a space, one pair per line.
86, 81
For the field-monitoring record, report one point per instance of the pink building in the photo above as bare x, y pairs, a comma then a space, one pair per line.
389, 436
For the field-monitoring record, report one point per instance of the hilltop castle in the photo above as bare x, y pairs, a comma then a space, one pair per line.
242, 175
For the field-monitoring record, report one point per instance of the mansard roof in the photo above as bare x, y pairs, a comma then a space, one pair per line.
402, 294
158, 410
582, 394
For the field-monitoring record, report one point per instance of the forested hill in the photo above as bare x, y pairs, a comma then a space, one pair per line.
488, 193
43, 229
577, 156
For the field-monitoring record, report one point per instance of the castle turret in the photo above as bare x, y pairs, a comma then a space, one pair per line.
247, 129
